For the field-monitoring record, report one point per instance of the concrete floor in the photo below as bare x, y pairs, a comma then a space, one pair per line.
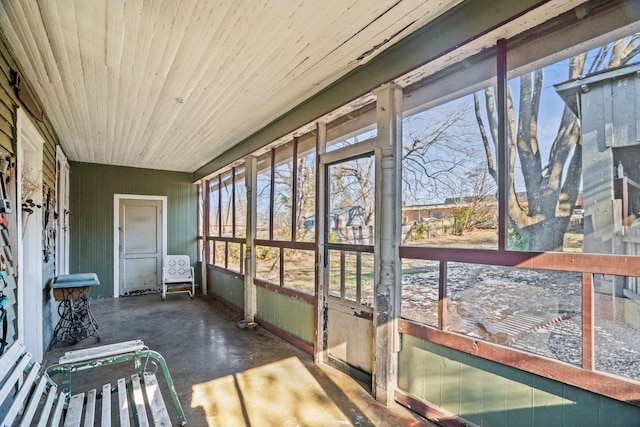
226, 376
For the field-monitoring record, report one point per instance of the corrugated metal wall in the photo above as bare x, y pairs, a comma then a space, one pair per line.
91, 222
8, 107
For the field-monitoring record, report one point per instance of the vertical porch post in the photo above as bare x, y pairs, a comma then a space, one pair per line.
251, 182
205, 232
388, 205
319, 354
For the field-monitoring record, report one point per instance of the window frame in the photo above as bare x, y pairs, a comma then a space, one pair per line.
588, 264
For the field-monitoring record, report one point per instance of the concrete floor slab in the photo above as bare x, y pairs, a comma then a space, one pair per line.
226, 376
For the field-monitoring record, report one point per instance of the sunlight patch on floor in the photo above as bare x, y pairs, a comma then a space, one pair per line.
282, 393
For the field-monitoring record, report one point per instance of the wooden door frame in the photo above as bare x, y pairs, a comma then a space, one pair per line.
29, 137
116, 232
62, 200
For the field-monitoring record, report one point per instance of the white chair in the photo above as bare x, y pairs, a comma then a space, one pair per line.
177, 275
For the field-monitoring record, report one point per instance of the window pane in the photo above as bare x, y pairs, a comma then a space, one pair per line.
268, 264
617, 325
226, 198
201, 208
351, 201
263, 196
235, 253
211, 247
306, 203
449, 177
538, 311
299, 270
366, 279
369, 132
355, 271
220, 254
283, 194
573, 129
420, 291
214, 207
241, 203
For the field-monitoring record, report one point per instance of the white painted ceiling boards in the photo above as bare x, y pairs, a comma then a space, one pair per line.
169, 84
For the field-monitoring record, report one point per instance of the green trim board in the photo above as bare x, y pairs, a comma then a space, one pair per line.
488, 393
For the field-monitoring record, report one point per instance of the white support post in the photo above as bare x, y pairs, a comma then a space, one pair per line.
251, 182
205, 226
321, 143
388, 205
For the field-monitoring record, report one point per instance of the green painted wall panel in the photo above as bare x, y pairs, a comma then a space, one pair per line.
471, 394
227, 286
491, 394
91, 222
289, 314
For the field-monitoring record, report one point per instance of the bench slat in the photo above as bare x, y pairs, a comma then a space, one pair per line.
34, 401
21, 396
123, 403
46, 409
74, 411
11, 356
106, 405
90, 408
156, 402
138, 398
102, 351
57, 414
18, 372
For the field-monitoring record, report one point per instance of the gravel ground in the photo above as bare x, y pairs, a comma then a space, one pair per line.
533, 310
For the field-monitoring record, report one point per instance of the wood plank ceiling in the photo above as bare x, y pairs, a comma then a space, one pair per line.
172, 84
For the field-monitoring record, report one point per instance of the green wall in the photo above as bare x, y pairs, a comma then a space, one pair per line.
91, 219
490, 394
226, 286
289, 314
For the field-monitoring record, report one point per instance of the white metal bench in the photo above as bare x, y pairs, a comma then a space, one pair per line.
30, 398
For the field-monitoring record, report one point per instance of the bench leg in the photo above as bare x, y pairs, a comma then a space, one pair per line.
172, 390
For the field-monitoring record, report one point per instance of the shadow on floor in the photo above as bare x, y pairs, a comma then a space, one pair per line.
226, 376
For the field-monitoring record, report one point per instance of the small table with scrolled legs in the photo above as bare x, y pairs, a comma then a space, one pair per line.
76, 320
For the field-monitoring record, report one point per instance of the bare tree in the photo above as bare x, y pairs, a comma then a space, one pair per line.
352, 184
437, 147
478, 207
552, 188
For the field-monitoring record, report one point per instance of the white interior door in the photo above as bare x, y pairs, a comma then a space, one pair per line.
30, 286
140, 245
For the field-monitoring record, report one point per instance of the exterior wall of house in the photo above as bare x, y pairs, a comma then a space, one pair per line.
91, 222
490, 394
9, 103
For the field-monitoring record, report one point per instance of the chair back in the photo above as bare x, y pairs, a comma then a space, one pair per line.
177, 267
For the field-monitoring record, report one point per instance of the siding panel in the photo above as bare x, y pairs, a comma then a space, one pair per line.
8, 106
497, 395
